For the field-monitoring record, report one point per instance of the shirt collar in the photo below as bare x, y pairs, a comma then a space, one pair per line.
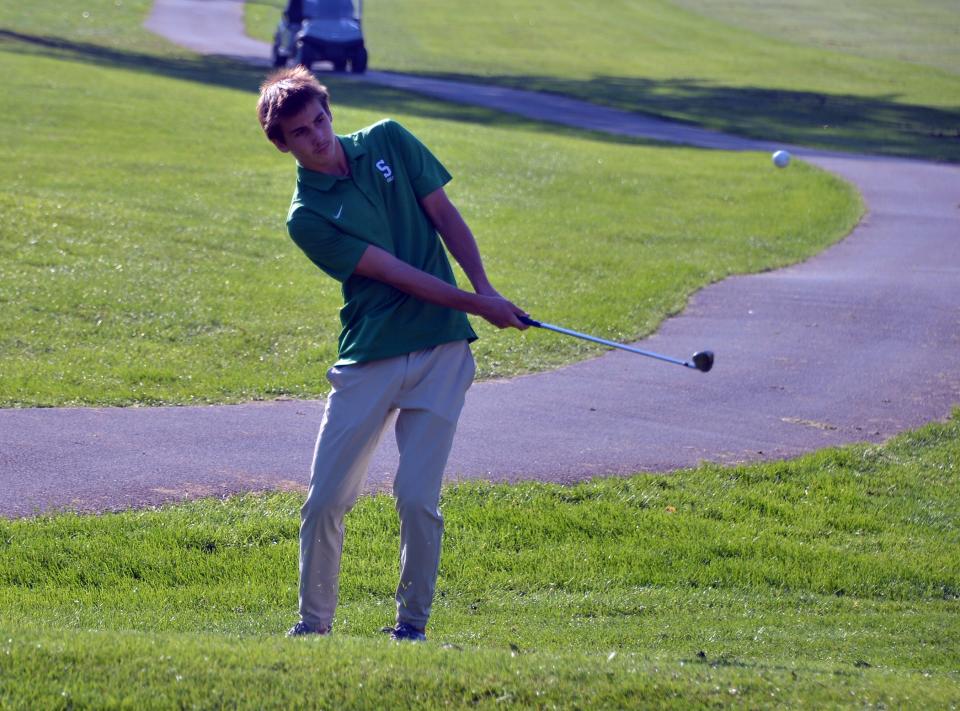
353, 149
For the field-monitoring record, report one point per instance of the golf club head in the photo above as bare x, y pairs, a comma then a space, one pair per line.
703, 361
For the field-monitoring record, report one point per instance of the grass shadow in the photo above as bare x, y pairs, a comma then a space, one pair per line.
237, 74
878, 125
217, 71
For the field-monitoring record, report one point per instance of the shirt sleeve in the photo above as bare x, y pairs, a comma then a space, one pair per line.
335, 252
425, 171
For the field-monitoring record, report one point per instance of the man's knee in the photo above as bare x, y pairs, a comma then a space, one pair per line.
419, 505
325, 504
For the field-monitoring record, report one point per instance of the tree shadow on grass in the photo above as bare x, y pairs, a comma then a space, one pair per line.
878, 124
869, 124
242, 75
218, 71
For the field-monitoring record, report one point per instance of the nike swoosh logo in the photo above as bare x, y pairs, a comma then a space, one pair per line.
339, 212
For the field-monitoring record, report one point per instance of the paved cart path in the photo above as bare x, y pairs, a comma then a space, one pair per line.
858, 343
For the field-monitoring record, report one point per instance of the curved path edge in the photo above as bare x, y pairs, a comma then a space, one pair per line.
858, 343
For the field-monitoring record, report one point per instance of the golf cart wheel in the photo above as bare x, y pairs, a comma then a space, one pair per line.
358, 65
305, 56
278, 59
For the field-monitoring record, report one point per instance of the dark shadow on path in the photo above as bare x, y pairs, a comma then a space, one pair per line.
877, 124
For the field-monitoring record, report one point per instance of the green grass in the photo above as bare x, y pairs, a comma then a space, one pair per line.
919, 31
735, 70
829, 581
143, 256
143, 260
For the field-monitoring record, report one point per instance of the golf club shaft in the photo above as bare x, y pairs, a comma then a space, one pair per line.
604, 341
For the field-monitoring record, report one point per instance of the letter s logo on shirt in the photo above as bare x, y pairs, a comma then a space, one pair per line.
385, 169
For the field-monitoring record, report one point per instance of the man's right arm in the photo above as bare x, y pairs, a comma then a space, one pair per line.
383, 266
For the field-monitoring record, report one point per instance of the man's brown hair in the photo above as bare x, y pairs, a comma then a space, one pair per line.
284, 94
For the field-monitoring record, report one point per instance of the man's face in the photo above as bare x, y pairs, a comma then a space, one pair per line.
309, 137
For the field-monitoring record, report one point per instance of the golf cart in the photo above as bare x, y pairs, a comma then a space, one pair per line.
321, 30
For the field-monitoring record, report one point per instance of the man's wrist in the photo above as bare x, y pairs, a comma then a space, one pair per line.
484, 288
473, 303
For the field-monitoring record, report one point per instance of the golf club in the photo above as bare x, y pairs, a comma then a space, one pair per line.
701, 360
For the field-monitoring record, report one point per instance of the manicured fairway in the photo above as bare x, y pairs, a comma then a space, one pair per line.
830, 581
916, 31
143, 255
811, 72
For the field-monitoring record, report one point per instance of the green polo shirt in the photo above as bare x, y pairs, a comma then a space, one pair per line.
334, 219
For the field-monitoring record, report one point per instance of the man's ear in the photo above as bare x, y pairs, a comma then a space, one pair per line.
281, 146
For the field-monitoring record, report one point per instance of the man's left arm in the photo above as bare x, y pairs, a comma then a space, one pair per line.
458, 238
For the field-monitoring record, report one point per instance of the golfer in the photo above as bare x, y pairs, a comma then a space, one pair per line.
367, 210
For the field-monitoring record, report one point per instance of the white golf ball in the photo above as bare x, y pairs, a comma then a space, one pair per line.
781, 159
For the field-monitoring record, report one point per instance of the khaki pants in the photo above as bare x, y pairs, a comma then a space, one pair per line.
427, 388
